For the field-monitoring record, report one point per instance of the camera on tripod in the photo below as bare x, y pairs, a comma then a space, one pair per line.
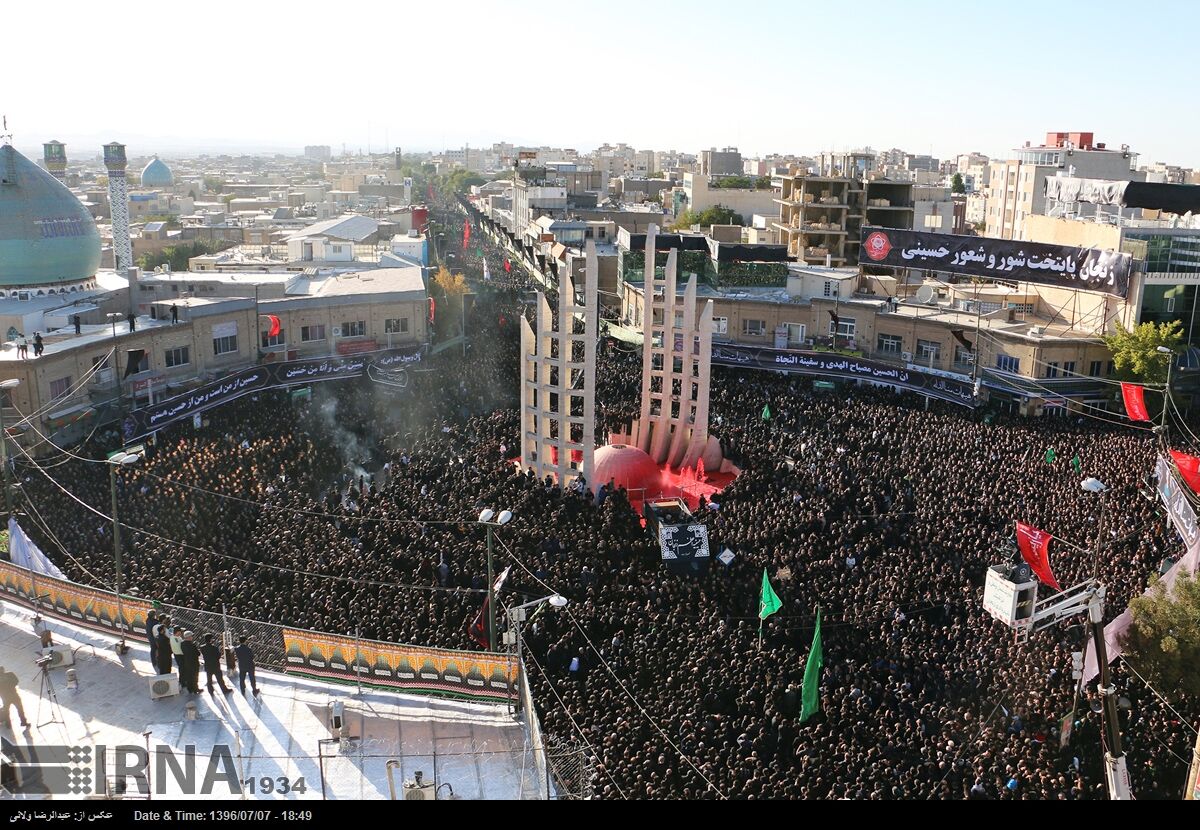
43, 662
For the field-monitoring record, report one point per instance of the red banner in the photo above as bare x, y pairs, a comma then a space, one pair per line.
1035, 549
432, 308
466, 234
1135, 401
1189, 468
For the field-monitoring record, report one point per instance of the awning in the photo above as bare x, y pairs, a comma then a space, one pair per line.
70, 415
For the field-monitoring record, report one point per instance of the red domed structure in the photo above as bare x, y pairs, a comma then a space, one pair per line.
627, 467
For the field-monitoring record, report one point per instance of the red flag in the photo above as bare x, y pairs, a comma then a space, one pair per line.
1189, 468
507, 266
1035, 549
478, 629
432, 307
1135, 401
429, 189
466, 234
274, 330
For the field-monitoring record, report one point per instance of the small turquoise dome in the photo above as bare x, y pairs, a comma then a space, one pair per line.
46, 234
157, 174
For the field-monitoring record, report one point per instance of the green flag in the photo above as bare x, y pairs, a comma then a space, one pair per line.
768, 604
766, 416
810, 695
1077, 464
1051, 455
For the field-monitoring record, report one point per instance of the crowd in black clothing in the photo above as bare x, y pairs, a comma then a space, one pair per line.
859, 501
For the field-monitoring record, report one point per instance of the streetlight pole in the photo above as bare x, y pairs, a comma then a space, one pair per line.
516, 616
1170, 355
1114, 759
120, 458
501, 519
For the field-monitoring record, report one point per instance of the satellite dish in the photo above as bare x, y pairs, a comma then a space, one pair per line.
925, 294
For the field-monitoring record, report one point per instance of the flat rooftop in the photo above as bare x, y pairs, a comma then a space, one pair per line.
478, 749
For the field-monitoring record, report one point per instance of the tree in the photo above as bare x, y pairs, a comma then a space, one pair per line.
177, 256
214, 184
1135, 352
716, 215
1163, 644
956, 184
447, 291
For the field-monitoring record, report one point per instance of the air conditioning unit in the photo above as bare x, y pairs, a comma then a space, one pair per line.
164, 685
418, 789
1037, 331
337, 331
59, 656
907, 357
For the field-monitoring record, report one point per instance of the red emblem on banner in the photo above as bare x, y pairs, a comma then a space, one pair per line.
878, 246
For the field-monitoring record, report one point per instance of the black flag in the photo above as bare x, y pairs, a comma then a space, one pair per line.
958, 335
833, 316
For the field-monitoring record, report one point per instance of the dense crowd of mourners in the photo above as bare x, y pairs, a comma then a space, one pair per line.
355, 511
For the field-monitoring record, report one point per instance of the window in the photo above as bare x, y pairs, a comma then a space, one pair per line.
1069, 367
795, 333
103, 362
1094, 368
754, 328
396, 325
268, 341
1051, 370
225, 345
963, 356
1108, 370
177, 357
1169, 305
845, 327
310, 333
357, 328
1024, 308
720, 325
928, 350
889, 344
60, 387
1008, 364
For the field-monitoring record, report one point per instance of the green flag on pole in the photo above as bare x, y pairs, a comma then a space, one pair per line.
811, 693
1051, 455
769, 603
1076, 464
766, 416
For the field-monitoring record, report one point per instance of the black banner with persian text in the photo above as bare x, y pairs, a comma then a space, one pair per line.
391, 363
1087, 269
843, 367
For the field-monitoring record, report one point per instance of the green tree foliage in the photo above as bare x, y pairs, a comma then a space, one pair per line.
447, 290
716, 215
743, 183
1163, 643
177, 256
460, 181
1135, 351
213, 184
957, 185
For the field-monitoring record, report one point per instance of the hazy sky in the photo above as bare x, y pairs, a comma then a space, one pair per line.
798, 76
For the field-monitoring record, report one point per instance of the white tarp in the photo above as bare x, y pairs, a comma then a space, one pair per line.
25, 553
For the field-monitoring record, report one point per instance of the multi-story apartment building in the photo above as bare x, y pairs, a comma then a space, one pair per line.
1016, 188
